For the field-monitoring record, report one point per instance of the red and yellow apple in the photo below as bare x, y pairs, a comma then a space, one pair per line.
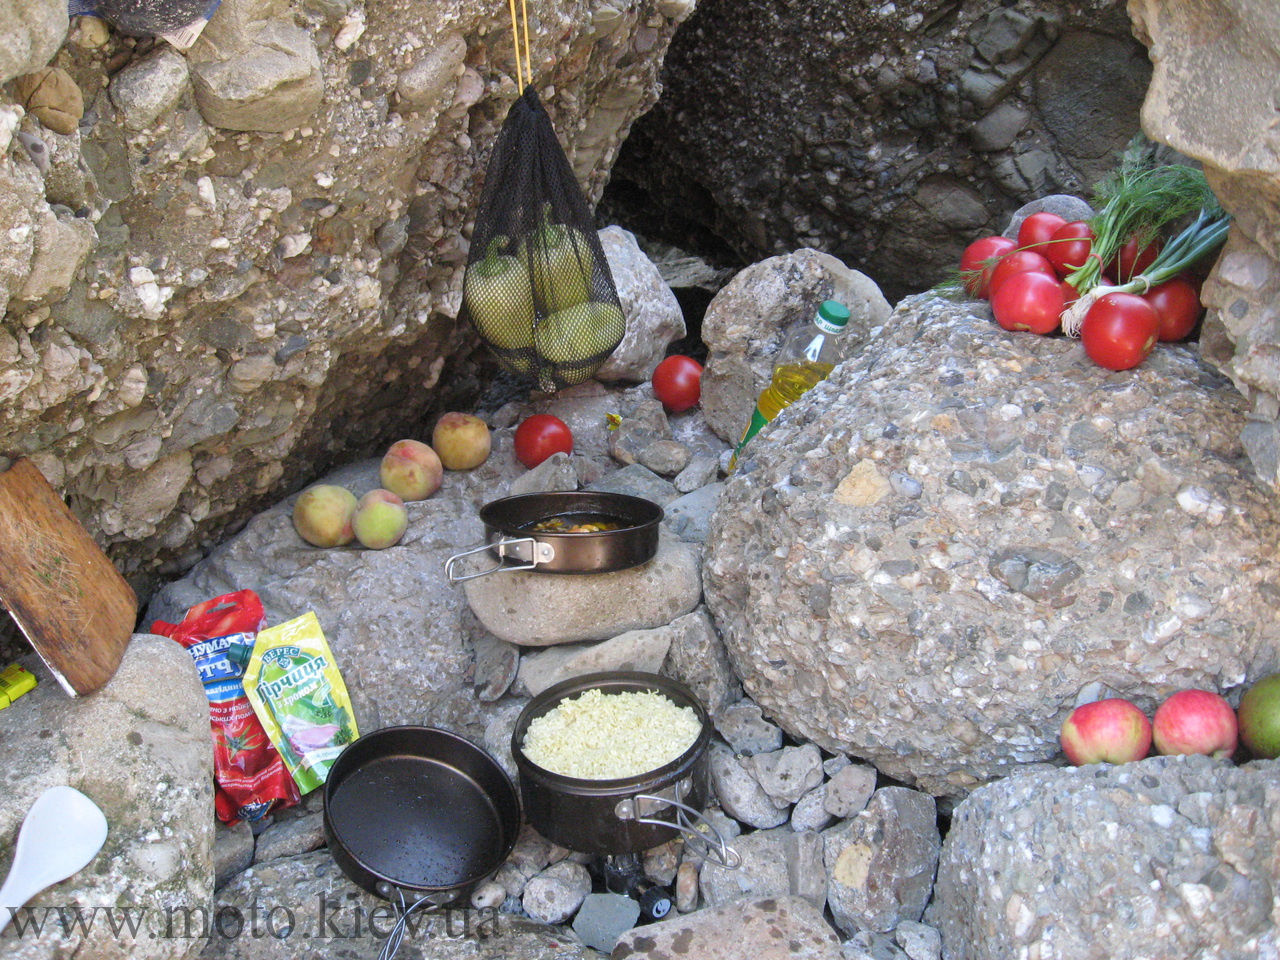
1106, 731
1195, 721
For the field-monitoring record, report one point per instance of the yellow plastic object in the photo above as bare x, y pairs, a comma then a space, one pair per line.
14, 682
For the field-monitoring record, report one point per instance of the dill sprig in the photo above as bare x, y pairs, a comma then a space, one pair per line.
1139, 200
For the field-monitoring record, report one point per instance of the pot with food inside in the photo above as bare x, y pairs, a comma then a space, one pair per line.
616, 762
580, 531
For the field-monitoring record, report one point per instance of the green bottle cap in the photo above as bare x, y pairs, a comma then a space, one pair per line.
832, 316
240, 654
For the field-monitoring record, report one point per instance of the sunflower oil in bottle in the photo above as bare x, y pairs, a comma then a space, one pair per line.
806, 357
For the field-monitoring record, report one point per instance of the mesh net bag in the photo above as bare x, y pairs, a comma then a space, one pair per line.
537, 286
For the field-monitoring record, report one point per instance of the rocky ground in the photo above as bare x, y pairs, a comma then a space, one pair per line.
845, 851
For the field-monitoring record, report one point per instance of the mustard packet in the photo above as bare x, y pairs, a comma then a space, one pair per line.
298, 694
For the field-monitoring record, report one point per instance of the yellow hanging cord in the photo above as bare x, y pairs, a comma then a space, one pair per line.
525, 69
528, 60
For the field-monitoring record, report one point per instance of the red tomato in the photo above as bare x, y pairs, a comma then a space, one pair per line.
1177, 305
1069, 294
1029, 301
677, 382
541, 435
978, 261
1069, 246
1037, 229
1119, 331
1131, 261
1019, 261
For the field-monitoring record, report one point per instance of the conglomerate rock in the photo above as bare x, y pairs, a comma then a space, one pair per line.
931, 556
1169, 857
242, 265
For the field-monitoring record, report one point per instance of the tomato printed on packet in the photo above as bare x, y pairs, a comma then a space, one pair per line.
250, 777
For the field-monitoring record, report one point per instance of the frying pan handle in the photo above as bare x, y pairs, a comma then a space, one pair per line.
528, 550
720, 852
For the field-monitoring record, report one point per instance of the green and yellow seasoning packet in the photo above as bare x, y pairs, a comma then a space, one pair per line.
298, 694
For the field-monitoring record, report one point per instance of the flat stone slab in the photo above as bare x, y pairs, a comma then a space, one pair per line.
541, 609
141, 749
772, 928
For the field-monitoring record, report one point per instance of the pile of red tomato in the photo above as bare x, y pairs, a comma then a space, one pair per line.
1025, 280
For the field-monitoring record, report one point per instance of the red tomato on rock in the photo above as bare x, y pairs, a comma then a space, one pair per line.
979, 260
1132, 260
541, 435
1030, 301
1037, 229
1019, 261
1119, 331
1069, 246
1177, 304
677, 382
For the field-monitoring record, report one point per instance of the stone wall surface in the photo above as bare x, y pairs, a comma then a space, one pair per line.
931, 557
227, 270
888, 135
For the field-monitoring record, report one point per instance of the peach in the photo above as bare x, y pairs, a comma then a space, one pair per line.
322, 515
461, 440
381, 519
411, 470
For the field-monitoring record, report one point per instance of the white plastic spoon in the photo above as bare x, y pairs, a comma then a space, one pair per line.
62, 832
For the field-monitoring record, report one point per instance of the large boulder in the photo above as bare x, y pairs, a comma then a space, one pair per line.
30, 33
1174, 855
1229, 126
140, 748
749, 318
932, 556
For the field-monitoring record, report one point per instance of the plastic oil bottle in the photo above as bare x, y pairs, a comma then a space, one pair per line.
806, 357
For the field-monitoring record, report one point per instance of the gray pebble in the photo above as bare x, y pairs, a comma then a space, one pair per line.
849, 790
747, 732
787, 774
919, 940
809, 813
554, 894
604, 918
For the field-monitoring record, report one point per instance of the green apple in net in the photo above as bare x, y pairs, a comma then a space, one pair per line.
579, 332
560, 261
500, 299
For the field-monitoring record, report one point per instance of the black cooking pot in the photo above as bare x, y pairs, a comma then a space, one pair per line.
419, 810
626, 815
510, 536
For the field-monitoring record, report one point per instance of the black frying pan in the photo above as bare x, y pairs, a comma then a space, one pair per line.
420, 810
508, 527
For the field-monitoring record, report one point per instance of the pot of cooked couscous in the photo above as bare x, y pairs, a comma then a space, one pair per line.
612, 762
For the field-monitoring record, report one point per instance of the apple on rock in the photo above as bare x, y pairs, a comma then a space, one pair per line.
1106, 731
380, 519
1195, 721
1259, 718
411, 470
322, 515
461, 441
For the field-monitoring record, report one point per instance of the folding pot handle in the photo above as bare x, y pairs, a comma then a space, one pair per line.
528, 550
634, 808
